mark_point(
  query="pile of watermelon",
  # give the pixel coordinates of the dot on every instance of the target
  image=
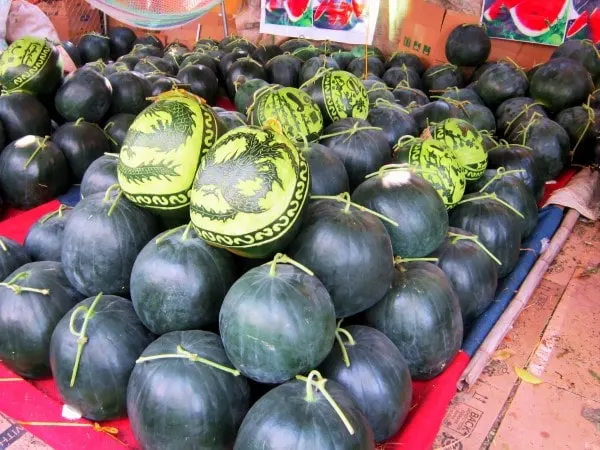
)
(271, 277)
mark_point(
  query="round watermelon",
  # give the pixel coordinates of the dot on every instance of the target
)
(439, 164)
(277, 321)
(250, 191)
(12, 256)
(191, 400)
(162, 150)
(31, 64)
(299, 116)
(339, 94)
(464, 139)
(44, 239)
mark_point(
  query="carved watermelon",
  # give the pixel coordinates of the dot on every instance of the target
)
(296, 8)
(534, 18)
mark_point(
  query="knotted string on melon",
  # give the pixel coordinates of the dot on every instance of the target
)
(82, 338)
(344, 197)
(58, 212)
(501, 172)
(116, 200)
(403, 141)
(494, 197)
(339, 332)
(280, 258)
(441, 69)
(41, 146)
(182, 353)
(525, 110)
(379, 86)
(475, 239)
(350, 132)
(18, 289)
(256, 96)
(385, 102)
(319, 385)
(321, 71)
(590, 122)
(533, 120)
(513, 63)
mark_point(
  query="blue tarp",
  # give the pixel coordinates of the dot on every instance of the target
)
(549, 220)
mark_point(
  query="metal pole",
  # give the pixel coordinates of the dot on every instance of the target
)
(224, 14)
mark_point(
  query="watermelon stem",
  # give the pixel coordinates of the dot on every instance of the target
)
(256, 95)
(400, 260)
(515, 65)
(345, 198)
(351, 132)
(41, 146)
(463, 237)
(59, 211)
(378, 86)
(3, 245)
(494, 197)
(186, 232)
(525, 110)
(319, 73)
(82, 339)
(109, 137)
(17, 289)
(532, 121)
(168, 233)
(280, 258)
(116, 200)
(591, 119)
(404, 140)
(443, 68)
(78, 121)
(182, 353)
(382, 101)
(320, 386)
(338, 337)
(500, 173)
(490, 136)
(114, 155)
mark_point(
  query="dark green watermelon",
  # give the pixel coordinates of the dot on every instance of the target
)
(406, 96)
(84, 94)
(468, 45)
(82, 143)
(517, 157)
(294, 44)
(44, 239)
(100, 175)
(394, 120)
(419, 213)
(582, 124)
(497, 226)
(264, 53)
(162, 83)
(472, 271)
(305, 53)
(247, 92)
(166, 395)
(362, 147)
(93, 351)
(312, 66)
(99, 247)
(462, 95)
(508, 186)
(226, 61)
(333, 224)
(434, 112)
(116, 129)
(73, 52)
(442, 76)
(201, 59)
(122, 40)
(407, 59)
(33, 171)
(361, 50)
(143, 51)
(402, 75)
(155, 64)
(202, 81)
(378, 90)
(116, 67)
(94, 46)
(130, 60)
(151, 40)
(242, 43)
(549, 141)
(276, 322)
(480, 70)
(130, 92)
(561, 83)
(421, 315)
(299, 416)
(12, 256)
(328, 174)
(162, 300)
(242, 70)
(206, 42)
(342, 58)
(373, 65)
(22, 115)
(514, 111)
(33, 299)
(500, 82)
(364, 358)
(284, 70)
(233, 119)
(583, 51)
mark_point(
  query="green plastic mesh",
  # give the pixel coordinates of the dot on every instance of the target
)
(155, 14)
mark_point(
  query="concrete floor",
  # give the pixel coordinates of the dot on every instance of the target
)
(556, 338)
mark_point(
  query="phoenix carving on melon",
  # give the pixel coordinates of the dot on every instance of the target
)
(531, 17)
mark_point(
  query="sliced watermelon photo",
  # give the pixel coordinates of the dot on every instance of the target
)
(295, 13)
(540, 21)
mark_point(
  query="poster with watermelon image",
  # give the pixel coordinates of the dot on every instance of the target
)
(584, 21)
(347, 21)
(537, 21)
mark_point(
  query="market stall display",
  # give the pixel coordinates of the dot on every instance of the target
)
(242, 238)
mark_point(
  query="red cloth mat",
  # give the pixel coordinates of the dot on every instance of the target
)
(17, 225)
(561, 181)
